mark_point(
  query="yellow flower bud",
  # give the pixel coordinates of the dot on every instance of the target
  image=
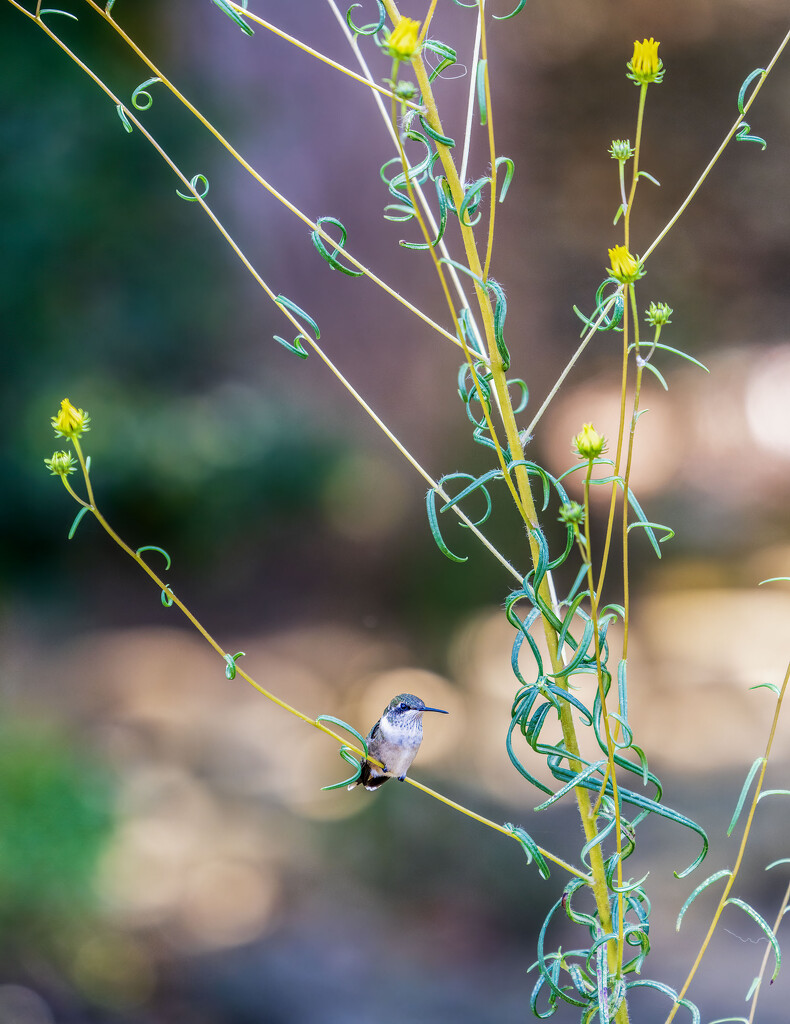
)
(588, 443)
(624, 267)
(645, 65)
(402, 42)
(70, 422)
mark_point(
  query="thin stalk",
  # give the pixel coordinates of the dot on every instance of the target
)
(491, 143)
(761, 974)
(610, 768)
(524, 501)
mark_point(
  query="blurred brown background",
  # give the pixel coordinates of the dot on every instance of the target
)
(166, 852)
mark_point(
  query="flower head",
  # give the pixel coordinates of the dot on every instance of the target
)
(402, 41)
(646, 66)
(61, 464)
(624, 268)
(405, 90)
(588, 443)
(70, 422)
(571, 513)
(658, 314)
(620, 149)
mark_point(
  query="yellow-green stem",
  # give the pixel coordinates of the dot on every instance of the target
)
(610, 768)
(524, 501)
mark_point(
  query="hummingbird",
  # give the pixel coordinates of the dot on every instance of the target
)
(394, 740)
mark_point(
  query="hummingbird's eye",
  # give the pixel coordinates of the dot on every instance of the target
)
(403, 706)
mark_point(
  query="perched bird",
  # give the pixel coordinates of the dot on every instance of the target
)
(394, 740)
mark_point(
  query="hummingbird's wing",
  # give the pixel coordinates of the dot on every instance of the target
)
(374, 732)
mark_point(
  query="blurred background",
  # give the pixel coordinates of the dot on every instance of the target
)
(166, 852)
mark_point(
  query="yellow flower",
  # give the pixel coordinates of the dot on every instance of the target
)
(70, 422)
(402, 42)
(646, 66)
(624, 267)
(588, 443)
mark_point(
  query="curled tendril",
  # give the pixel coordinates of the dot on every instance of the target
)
(473, 192)
(153, 547)
(124, 118)
(200, 181)
(419, 173)
(225, 7)
(141, 98)
(608, 320)
(477, 483)
(744, 130)
(500, 307)
(433, 520)
(447, 55)
(231, 659)
(297, 348)
(530, 848)
(474, 343)
(367, 30)
(167, 593)
(443, 140)
(510, 168)
(471, 202)
(441, 193)
(345, 752)
(324, 253)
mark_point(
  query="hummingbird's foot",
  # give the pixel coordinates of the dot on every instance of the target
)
(402, 778)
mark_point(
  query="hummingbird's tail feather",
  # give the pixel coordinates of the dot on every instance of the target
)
(368, 779)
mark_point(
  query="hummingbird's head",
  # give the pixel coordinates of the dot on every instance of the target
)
(408, 706)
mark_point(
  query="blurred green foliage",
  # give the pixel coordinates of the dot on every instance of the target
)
(55, 817)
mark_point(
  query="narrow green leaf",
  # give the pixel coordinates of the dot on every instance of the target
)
(481, 91)
(225, 7)
(367, 30)
(764, 927)
(433, 522)
(77, 521)
(744, 790)
(724, 873)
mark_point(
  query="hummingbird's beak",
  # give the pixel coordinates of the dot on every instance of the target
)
(439, 710)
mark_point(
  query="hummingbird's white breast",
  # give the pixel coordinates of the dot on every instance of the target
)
(399, 742)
